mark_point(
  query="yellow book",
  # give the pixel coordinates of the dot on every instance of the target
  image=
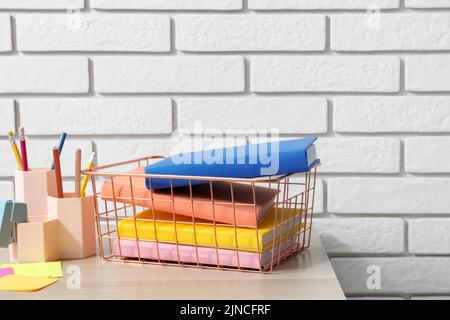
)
(285, 221)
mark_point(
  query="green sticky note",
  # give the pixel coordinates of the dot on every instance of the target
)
(44, 269)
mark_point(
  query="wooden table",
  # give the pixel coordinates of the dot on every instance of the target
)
(307, 276)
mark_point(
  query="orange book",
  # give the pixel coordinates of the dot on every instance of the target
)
(245, 214)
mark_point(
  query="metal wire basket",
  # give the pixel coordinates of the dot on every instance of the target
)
(285, 234)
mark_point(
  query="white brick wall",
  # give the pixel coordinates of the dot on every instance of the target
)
(298, 116)
(352, 32)
(123, 76)
(427, 155)
(427, 73)
(321, 4)
(44, 75)
(134, 33)
(141, 75)
(168, 4)
(5, 33)
(427, 4)
(250, 33)
(41, 4)
(325, 74)
(96, 116)
(429, 236)
(387, 114)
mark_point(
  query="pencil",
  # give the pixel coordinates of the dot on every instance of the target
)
(78, 173)
(23, 148)
(62, 139)
(56, 161)
(15, 150)
(86, 178)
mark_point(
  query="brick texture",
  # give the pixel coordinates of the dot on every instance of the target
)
(168, 4)
(250, 32)
(325, 74)
(370, 32)
(135, 33)
(370, 78)
(298, 116)
(134, 75)
(41, 4)
(44, 75)
(427, 73)
(321, 4)
(5, 33)
(44, 116)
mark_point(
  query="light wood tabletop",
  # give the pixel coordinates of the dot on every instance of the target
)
(306, 276)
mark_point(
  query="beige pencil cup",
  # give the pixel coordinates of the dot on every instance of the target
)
(33, 187)
(36, 241)
(76, 225)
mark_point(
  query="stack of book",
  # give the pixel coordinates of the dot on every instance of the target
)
(210, 222)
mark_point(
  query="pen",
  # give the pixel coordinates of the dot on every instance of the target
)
(62, 139)
(77, 173)
(57, 163)
(86, 178)
(15, 149)
(23, 148)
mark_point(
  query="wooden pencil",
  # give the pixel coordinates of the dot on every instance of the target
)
(56, 161)
(77, 173)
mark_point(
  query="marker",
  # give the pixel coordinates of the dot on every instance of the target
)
(78, 173)
(15, 150)
(23, 148)
(59, 186)
(86, 178)
(62, 139)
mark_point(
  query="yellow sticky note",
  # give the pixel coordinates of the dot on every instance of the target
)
(44, 269)
(24, 283)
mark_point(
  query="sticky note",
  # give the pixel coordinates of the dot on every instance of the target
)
(45, 269)
(6, 272)
(24, 283)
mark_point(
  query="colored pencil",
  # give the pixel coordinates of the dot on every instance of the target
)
(78, 173)
(62, 139)
(56, 161)
(15, 150)
(23, 148)
(86, 178)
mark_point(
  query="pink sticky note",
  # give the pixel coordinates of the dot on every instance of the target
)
(6, 271)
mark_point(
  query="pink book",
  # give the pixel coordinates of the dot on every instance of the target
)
(206, 256)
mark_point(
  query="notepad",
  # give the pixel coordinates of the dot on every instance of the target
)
(286, 221)
(21, 283)
(247, 161)
(45, 269)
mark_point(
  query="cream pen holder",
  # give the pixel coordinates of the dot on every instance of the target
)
(32, 187)
(76, 220)
(36, 241)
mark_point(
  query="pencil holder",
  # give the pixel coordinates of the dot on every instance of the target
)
(33, 187)
(76, 218)
(36, 241)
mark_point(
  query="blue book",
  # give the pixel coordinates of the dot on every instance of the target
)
(247, 161)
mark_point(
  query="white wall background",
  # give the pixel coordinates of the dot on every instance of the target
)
(124, 74)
